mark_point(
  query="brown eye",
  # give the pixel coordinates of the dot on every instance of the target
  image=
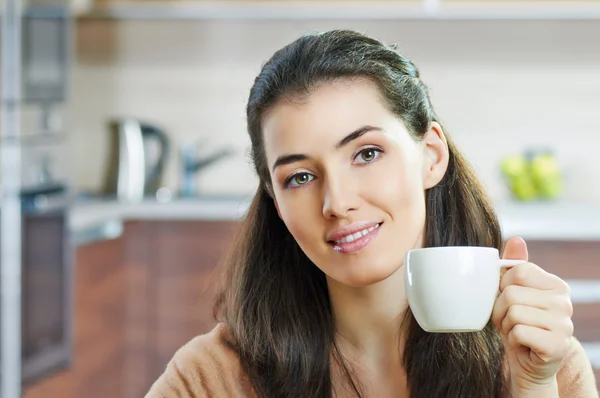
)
(298, 180)
(301, 179)
(368, 155)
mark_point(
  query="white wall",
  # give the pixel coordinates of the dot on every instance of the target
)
(498, 87)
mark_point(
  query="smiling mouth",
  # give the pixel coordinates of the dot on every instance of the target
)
(357, 241)
(355, 236)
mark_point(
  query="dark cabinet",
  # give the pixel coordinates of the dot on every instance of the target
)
(171, 287)
(142, 296)
(99, 328)
(137, 300)
(574, 260)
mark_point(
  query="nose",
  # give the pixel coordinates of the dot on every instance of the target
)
(339, 198)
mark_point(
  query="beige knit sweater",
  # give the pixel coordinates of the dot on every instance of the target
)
(207, 366)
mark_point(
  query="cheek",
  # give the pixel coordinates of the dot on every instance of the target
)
(401, 195)
(298, 222)
(397, 189)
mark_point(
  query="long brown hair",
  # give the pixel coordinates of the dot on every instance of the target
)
(275, 301)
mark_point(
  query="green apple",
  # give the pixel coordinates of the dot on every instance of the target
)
(514, 165)
(515, 169)
(523, 188)
(546, 175)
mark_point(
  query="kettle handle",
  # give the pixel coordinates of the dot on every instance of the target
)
(155, 172)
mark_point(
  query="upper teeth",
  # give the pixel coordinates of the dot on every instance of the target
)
(356, 235)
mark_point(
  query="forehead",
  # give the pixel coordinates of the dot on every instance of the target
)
(327, 114)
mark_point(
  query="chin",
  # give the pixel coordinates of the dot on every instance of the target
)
(360, 276)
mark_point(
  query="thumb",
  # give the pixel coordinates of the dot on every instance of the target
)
(515, 249)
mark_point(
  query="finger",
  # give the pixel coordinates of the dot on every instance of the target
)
(541, 299)
(530, 275)
(547, 346)
(535, 317)
(516, 249)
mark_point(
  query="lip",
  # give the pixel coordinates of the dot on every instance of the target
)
(356, 245)
(350, 229)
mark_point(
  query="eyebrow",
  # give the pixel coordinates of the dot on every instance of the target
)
(288, 159)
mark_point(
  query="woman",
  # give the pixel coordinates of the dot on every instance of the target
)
(355, 170)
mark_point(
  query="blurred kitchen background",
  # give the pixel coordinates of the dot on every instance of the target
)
(134, 166)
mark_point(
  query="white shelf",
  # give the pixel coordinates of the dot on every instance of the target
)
(525, 10)
(585, 291)
(361, 10)
(298, 10)
(550, 221)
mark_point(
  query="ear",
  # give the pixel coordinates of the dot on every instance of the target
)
(435, 155)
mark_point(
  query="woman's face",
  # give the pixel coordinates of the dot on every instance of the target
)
(349, 179)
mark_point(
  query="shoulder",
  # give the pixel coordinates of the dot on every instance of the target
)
(207, 366)
(575, 376)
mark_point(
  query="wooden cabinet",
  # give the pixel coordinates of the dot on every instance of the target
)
(99, 328)
(142, 296)
(573, 260)
(186, 268)
(137, 300)
(172, 274)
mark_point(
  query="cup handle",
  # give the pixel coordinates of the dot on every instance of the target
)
(510, 263)
(505, 264)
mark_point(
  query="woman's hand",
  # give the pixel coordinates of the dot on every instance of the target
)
(533, 314)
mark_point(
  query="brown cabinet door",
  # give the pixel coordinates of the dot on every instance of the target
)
(186, 275)
(98, 349)
(141, 297)
(172, 275)
(574, 260)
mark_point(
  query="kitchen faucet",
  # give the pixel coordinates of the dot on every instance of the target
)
(192, 164)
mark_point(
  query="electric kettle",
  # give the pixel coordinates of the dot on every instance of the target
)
(133, 170)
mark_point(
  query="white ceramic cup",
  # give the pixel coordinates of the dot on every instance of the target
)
(453, 289)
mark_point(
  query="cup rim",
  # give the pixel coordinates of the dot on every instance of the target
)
(440, 248)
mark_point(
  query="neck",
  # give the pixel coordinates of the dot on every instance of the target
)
(368, 319)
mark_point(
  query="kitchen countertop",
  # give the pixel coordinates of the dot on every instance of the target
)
(96, 220)
(90, 214)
